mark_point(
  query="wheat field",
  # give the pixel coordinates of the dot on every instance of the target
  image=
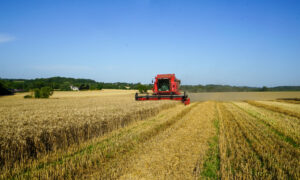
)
(108, 135)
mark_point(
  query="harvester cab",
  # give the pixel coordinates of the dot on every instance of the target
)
(166, 87)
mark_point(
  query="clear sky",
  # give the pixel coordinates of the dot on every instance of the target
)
(235, 42)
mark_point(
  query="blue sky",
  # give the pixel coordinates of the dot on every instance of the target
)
(235, 42)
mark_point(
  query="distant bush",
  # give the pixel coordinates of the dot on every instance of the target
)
(27, 96)
(44, 92)
(37, 93)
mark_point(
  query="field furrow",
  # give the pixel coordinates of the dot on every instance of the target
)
(210, 168)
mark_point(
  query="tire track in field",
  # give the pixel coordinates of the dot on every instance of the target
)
(210, 168)
(175, 152)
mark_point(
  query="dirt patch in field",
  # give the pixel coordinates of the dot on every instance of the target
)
(240, 96)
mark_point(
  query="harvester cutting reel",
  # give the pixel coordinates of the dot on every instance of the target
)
(144, 97)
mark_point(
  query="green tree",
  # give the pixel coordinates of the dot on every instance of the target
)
(142, 88)
(45, 92)
(264, 88)
(65, 86)
(99, 86)
(84, 87)
(4, 90)
(37, 93)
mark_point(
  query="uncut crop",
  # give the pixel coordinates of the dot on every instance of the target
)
(102, 155)
(30, 128)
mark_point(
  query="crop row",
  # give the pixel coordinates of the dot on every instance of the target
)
(286, 127)
(250, 149)
(289, 100)
(278, 107)
(238, 158)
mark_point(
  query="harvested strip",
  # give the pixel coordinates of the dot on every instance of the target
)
(174, 153)
(238, 158)
(279, 157)
(101, 153)
(285, 126)
(275, 108)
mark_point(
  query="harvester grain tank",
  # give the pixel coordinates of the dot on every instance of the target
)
(166, 87)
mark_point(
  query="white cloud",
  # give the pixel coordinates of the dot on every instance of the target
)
(6, 38)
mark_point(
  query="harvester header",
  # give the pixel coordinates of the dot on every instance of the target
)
(166, 87)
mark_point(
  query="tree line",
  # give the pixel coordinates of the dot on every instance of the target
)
(8, 86)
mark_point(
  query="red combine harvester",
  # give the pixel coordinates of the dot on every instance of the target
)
(166, 87)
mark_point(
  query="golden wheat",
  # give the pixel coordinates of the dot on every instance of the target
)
(31, 128)
(103, 154)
